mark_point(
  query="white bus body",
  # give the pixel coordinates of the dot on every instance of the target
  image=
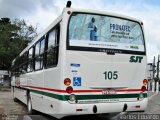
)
(106, 76)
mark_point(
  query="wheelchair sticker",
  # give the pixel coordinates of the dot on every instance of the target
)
(76, 81)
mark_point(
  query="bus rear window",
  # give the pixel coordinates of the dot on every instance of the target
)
(107, 32)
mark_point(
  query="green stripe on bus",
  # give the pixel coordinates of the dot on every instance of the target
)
(52, 95)
(85, 97)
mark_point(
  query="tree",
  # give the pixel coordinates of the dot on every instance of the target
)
(14, 37)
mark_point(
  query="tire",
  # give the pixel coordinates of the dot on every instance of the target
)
(29, 105)
(15, 100)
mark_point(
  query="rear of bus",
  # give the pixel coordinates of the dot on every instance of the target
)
(105, 65)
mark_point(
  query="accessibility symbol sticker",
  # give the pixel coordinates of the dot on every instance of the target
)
(76, 81)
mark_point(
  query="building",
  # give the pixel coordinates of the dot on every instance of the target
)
(4, 78)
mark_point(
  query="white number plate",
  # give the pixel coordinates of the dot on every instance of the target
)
(108, 92)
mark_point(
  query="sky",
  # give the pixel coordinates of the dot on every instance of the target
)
(43, 12)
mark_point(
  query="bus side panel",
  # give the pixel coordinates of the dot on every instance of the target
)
(20, 94)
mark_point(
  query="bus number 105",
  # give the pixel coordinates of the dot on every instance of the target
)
(109, 75)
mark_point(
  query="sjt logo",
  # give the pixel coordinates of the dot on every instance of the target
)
(136, 59)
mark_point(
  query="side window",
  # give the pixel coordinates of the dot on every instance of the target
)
(20, 65)
(24, 62)
(39, 54)
(42, 53)
(37, 58)
(52, 48)
(30, 60)
(17, 66)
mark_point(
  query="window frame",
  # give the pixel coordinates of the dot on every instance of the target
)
(40, 54)
(30, 60)
(57, 42)
(24, 64)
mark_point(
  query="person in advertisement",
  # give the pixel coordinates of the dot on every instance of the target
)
(93, 30)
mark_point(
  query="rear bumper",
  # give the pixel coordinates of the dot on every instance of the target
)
(98, 108)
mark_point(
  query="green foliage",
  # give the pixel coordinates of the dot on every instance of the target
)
(14, 37)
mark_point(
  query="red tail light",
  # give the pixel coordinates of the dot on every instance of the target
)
(143, 89)
(69, 89)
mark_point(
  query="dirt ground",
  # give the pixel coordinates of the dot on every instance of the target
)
(10, 110)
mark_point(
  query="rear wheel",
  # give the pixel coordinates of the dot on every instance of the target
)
(15, 99)
(29, 105)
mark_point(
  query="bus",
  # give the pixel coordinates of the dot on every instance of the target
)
(85, 62)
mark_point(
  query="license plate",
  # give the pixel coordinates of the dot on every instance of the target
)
(108, 92)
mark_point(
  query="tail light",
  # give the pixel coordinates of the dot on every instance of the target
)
(143, 89)
(67, 81)
(69, 89)
(145, 81)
